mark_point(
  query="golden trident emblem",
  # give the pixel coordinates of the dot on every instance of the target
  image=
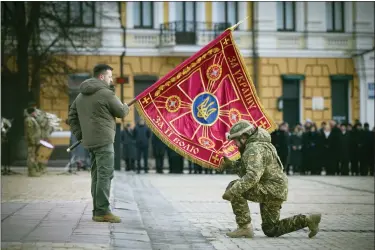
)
(203, 109)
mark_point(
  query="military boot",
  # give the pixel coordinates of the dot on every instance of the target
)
(243, 231)
(107, 218)
(313, 224)
(33, 173)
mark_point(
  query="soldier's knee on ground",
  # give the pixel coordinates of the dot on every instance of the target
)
(269, 230)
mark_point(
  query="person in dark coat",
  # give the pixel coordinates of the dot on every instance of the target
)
(349, 128)
(142, 136)
(355, 148)
(344, 150)
(176, 162)
(322, 126)
(326, 144)
(310, 151)
(296, 149)
(129, 149)
(336, 135)
(158, 148)
(194, 167)
(280, 140)
(367, 151)
(208, 171)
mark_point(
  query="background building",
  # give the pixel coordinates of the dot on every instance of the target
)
(308, 59)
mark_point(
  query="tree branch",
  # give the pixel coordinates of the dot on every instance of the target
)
(33, 19)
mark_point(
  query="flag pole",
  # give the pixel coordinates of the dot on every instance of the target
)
(237, 24)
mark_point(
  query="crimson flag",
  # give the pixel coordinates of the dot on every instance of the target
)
(193, 106)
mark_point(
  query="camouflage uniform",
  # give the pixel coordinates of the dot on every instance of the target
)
(262, 180)
(45, 132)
(33, 135)
(45, 127)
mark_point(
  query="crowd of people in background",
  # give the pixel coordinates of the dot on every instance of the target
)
(135, 152)
(336, 149)
(305, 149)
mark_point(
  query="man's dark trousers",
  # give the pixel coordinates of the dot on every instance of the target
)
(142, 150)
(102, 168)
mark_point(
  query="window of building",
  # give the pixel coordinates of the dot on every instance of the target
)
(229, 12)
(335, 16)
(340, 98)
(81, 13)
(143, 15)
(186, 16)
(291, 101)
(286, 18)
(186, 11)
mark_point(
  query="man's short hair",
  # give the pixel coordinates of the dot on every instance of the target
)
(101, 69)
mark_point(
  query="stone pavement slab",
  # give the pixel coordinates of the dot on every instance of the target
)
(50, 212)
(347, 205)
(177, 212)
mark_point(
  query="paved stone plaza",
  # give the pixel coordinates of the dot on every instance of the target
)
(176, 212)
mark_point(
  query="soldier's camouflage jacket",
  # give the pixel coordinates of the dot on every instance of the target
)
(32, 130)
(260, 167)
(45, 127)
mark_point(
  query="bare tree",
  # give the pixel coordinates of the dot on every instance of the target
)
(37, 39)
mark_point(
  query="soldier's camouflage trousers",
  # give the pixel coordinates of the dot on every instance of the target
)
(32, 165)
(272, 226)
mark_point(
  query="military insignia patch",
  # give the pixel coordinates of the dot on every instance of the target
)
(206, 142)
(173, 103)
(234, 116)
(214, 72)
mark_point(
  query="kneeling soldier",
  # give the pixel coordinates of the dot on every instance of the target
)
(262, 180)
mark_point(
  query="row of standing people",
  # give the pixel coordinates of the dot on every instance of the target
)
(339, 149)
(135, 148)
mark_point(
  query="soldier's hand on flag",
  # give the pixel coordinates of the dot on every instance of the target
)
(225, 163)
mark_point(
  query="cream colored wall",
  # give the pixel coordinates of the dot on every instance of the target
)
(317, 73)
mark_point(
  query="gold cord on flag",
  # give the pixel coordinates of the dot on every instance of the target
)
(237, 24)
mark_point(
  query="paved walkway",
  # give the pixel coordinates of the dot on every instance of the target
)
(176, 212)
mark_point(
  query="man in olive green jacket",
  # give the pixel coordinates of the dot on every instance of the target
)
(92, 118)
(261, 180)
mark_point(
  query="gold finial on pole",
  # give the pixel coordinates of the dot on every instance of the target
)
(237, 24)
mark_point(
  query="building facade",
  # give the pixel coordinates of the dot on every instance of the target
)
(307, 59)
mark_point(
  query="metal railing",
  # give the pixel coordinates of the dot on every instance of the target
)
(189, 32)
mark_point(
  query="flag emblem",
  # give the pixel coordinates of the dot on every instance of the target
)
(214, 72)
